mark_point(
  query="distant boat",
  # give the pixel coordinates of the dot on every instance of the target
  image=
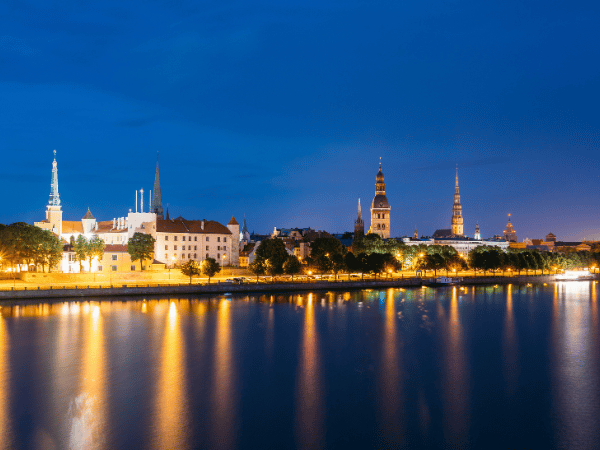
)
(447, 280)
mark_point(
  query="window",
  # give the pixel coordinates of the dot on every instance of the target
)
(175, 238)
(166, 256)
(383, 216)
(224, 248)
(207, 248)
(114, 257)
(174, 247)
(166, 247)
(206, 238)
(189, 247)
(383, 226)
(195, 238)
(166, 238)
(113, 268)
(99, 268)
(218, 238)
(218, 247)
(189, 256)
(218, 256)
(379, 226)
(224, 239)
(195, 247)
(207, 256)
(183, 238)
(133, 267)
(195, 256)
(183, 256)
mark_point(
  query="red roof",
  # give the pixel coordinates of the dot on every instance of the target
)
(181, 225)
(115, 248)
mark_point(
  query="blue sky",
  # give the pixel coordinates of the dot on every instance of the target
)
(281, 110)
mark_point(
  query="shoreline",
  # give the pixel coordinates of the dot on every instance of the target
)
(100, 293)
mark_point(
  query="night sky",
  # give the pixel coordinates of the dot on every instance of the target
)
(281, 110)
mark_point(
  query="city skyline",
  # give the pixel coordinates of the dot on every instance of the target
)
(280, 113)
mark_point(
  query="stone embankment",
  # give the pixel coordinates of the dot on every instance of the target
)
(143, 289)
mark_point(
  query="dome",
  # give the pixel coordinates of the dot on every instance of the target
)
(380, 201)
(379, 176)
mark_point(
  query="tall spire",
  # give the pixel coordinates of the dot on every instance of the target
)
(54, 197)
(477, 232)
(156, 196)
(416, 235)
(359, 224)
(457, 219)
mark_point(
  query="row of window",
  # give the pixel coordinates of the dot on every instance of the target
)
(380, 216)
(114, 268)
(189, 256)
(381, 226)
(190, 247)
(195, 238)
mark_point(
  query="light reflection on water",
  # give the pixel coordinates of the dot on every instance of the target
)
(413, 356)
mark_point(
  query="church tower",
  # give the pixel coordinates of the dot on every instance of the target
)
(510, 234)
(359, 224)
(380, 208)
(156, 197)
(477, 236)
(53, 209)
(457, 219)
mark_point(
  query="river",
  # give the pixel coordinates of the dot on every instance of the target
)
(474, 367)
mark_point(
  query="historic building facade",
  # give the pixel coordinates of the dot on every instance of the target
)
(380, 208)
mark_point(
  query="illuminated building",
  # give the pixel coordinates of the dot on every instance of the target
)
(457, 219)
(510, 234)
(380, 208)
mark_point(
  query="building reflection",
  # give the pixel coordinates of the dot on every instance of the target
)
(88, 411)
(456, 382)
(224, 414)
(576, 366)
(510, 349)
(309, 416)
(171, 414)
(390, 377)
(5, 417)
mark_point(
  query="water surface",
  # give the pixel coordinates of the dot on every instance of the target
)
(477, 367)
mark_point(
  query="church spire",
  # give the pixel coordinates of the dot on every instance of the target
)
(477, 232)
(156, 196)
(54, 197)
(359, 224)
(359, 211)
(457, 219)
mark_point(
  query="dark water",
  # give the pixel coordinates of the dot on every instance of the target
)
(484, 367)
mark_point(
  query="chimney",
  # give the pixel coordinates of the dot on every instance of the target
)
(142, 200)
(202, 225)
(114, 223)
(136, 201)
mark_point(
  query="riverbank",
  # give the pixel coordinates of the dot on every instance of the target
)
(149, 289)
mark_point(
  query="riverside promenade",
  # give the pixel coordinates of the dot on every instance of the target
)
(79, 291)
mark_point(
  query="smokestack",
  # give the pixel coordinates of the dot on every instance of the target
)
(142, 200)
(136, 200)
(114, 223)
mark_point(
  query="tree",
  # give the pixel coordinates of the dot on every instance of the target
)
(95, 249)
(210, 267)
(273, 250)
(257, 268)
(51, 250)
(191, 268)
(292, 266)
(80, 249)
(141, 247)
(433, 262)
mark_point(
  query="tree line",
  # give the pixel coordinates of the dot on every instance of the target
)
(24, 244)
(374, 255)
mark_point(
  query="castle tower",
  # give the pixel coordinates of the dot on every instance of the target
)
(380, 208)
(53, 209)
(359, 224)
(510, 234)
(88, 222)
(234, 254)
(156, 196)
(457, 219)
(477, 236)
(244, 234)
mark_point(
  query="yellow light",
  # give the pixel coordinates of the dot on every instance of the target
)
(390, 271)
(421, 255)
(310, 272)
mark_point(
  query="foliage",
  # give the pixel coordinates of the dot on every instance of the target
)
(190, 269)
(21, 243)
(210, 267)
(141, 248)
(292, 266)
(272, 250)
(257, 268)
